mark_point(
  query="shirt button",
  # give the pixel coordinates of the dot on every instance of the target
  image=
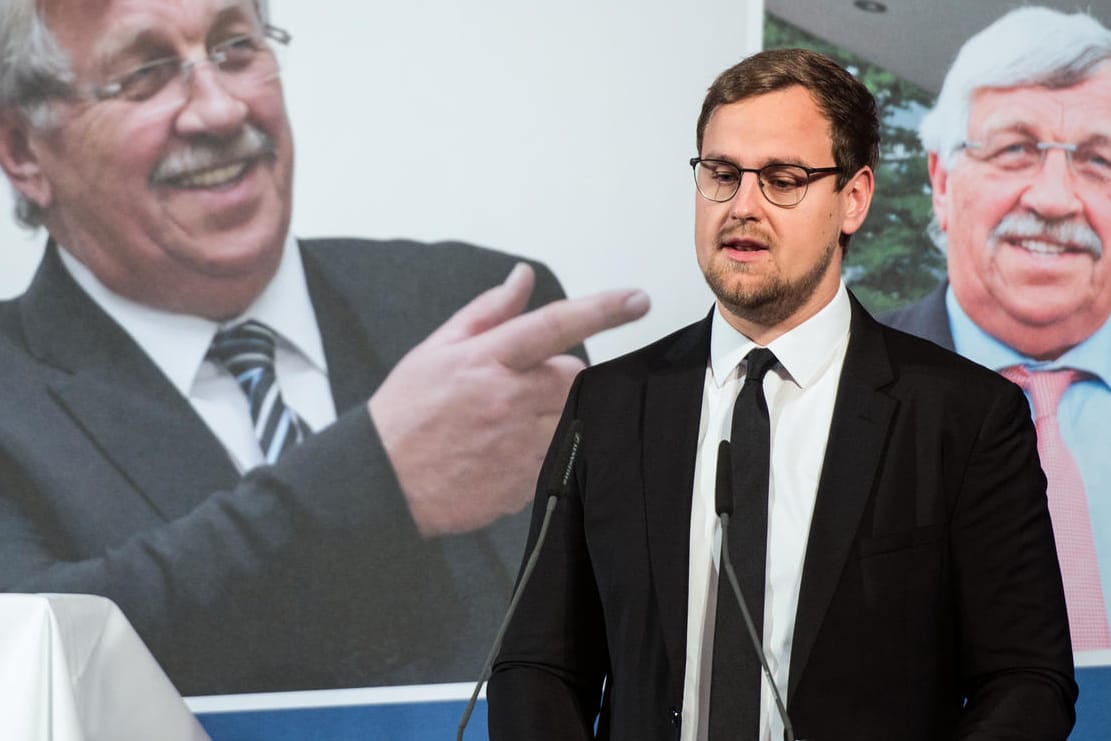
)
(675, 716)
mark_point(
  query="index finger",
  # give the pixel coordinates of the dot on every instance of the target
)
(554, 328)
(490, 308)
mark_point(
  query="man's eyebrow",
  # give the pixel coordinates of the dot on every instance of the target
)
(143, 41)
(234, 12)
(1008, 127)
(1096, 138)
(718, 158)
(773, 160)
(154, 38)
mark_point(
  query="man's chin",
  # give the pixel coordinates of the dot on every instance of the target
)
(1049, 316)
(766, 306)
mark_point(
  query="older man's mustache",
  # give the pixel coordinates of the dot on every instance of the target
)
(1071, 235)
(206, 153)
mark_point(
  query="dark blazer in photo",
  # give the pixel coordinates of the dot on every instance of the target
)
(308, 574)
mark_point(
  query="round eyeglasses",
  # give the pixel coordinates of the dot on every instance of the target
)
(783, 185)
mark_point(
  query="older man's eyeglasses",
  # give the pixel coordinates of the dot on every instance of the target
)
(1024, 155)
(783, 185)
(242, 64)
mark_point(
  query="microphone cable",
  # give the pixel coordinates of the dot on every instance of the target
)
(559, 485)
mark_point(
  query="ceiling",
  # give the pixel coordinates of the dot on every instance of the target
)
(915, 39)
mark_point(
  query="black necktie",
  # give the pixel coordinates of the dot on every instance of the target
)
(735, 678)
(247, 351)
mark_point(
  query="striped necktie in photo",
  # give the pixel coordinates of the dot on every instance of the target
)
(247, 352)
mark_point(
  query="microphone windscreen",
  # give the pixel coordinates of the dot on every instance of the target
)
(560, 481)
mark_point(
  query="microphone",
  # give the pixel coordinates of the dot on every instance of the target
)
(560, 482)
(558, 485)
(723, 500)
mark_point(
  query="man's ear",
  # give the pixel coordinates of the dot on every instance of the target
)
(858, 199)
(19, 159)
(939, 187)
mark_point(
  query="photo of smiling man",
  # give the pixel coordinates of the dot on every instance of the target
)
(1019, 157)
(272, 453)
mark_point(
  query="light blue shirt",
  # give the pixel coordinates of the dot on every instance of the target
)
(1084, 413)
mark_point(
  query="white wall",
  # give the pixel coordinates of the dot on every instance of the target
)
(560, 131)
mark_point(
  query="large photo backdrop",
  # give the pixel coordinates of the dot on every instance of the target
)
(561, 133)
(981, 241)
(557, 133)
(988, 235)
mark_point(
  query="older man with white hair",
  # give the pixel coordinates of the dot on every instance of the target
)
(1019, 148)
(288, 461)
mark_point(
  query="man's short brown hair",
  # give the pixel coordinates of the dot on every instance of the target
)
(845, 102)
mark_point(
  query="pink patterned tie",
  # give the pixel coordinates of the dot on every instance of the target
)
(1068, 508)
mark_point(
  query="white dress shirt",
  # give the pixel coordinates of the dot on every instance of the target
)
(178, 343)
(800, 391)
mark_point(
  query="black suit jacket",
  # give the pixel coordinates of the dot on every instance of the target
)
(931, 604)
(309, 574)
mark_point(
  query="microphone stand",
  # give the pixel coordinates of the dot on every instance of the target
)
(724, 505)
(559, 485)
(485, 673)
(788, 730)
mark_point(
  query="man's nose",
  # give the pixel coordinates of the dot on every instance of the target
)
(749, 198)
(210, 107)
(1052, 191)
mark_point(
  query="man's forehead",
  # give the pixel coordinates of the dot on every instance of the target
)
(781, 123)
(1081, 110)
(119, 21)
(54, 7)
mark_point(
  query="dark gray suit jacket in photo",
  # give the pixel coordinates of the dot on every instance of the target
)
(927, 318)
(931, 604)
(308, 574)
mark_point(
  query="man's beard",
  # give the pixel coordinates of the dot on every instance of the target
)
(773, 300)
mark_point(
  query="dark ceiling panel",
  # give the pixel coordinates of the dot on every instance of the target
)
(915, 39)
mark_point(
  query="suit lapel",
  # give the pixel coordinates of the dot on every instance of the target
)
(354, 368)
(858, 435)
(672, 410)
(164, 449)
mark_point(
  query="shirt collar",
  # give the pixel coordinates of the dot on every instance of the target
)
(804, 352)
(1092, 356)
(177, 343)
(286, 307)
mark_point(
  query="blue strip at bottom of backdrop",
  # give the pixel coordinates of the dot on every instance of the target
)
(439, 721)
(411, 721)
(407, 721)
(1093, 709)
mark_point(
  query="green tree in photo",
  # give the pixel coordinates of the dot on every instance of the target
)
(891, 260)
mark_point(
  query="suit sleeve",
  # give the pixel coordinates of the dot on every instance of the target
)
(188, 585)
(308, 573)
(547, 680)
(1015, 649)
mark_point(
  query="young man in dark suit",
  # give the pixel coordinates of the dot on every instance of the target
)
(890, 528)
